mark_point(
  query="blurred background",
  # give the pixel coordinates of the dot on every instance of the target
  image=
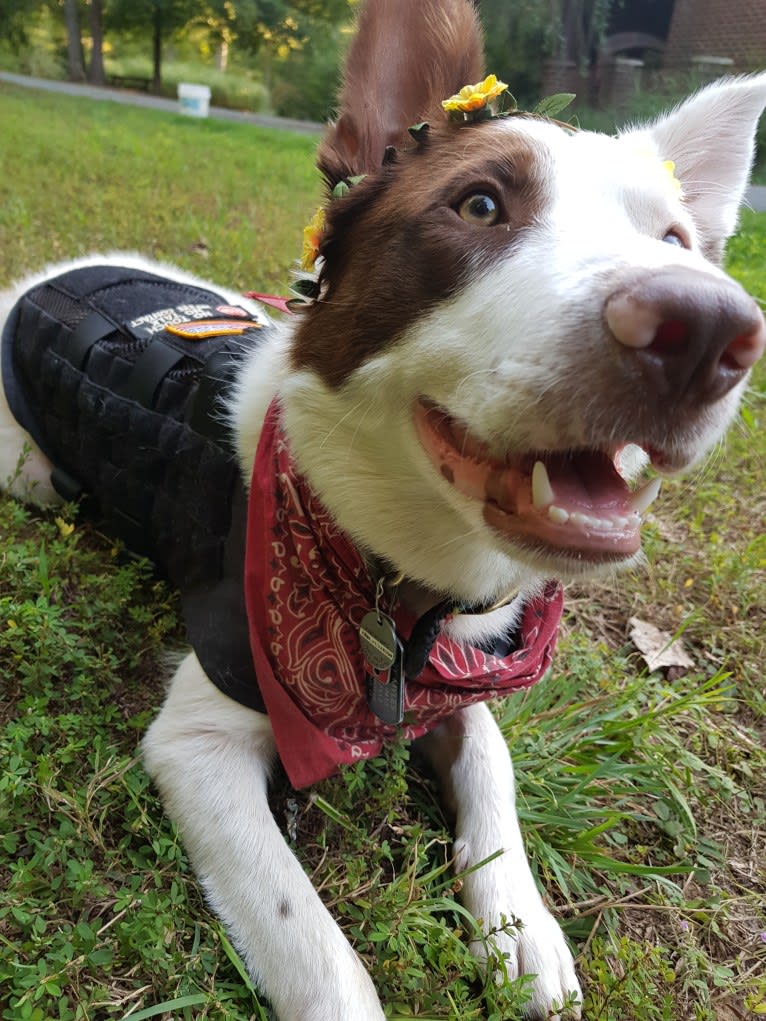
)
(623, 58)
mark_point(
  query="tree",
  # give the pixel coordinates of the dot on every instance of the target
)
(14, 17)
(96, 21)
(518, 36)
(584, 24)
(522, 34)
(75, 62)
(225, 21)
(156, 18)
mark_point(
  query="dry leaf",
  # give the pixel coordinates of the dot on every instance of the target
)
(658, 648)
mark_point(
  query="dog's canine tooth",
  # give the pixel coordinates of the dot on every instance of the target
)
(542, 491)
(558, 515)
(643, 498)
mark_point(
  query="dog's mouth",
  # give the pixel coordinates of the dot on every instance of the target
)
(572, 502)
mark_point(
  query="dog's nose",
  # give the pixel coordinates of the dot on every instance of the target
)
(692, 334)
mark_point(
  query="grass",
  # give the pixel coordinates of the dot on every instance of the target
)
(97, 176)
(643, 798)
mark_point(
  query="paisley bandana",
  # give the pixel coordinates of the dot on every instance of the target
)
(307, 590)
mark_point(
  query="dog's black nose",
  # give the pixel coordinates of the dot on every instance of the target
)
(691, 334)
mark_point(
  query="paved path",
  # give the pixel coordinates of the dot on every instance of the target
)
(756, 196)
(130, 98)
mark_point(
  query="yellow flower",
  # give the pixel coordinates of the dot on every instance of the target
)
(312, 238)
(670, 169)
(475, 97)
(65, 527)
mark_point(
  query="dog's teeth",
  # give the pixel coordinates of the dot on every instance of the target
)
(542, 491)
(558, 515)
(644, 497)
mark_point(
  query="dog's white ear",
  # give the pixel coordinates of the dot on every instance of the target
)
(711, 140)
(407, 56)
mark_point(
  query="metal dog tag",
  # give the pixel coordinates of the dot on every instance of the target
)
(377, 637)
(385, 694)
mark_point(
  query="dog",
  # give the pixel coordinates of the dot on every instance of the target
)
(507, 321)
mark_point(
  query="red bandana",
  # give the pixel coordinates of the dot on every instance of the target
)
(307, 590)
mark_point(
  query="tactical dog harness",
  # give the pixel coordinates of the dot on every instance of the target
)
(120, 377)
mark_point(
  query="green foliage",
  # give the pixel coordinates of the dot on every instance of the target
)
(307, 84)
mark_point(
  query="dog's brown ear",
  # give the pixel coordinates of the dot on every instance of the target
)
(407, 56)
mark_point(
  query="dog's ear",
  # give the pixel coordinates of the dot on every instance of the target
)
(711, 140)
(407, 56)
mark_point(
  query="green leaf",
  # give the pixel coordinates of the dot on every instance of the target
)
(420, 131)
(192, 1000)
(552, 106)
(306, 287)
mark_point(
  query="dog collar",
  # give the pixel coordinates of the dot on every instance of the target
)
(308, 590)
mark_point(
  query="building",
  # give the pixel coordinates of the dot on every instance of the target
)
(734, 30)
(680, 33)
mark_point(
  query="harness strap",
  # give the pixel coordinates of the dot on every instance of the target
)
(88, 332)
(428, 627)
(149, 371)
(206, 414)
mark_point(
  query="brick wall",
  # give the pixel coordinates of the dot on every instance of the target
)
(718, 28)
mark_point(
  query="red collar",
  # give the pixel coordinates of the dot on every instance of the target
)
(307, 589)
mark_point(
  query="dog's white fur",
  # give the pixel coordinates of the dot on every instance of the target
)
(529, 379)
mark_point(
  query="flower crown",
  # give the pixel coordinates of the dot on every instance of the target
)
(472, 104)
(477, 103)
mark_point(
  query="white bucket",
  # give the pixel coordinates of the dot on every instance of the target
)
(194, 100)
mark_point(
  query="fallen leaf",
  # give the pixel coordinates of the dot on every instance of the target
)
(658, 648)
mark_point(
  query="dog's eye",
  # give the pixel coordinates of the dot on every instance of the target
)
(674, 238)
(481, 210)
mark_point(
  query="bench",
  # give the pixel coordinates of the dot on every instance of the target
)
(129, 81)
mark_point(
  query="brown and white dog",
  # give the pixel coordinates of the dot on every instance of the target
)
(512, 317)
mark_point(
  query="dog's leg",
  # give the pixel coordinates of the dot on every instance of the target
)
(210, 759)
(471, 760)
(25, 472)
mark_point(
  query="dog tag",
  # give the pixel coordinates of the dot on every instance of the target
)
(385, 695)
(377, 637)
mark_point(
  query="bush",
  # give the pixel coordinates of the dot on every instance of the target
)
(306, 84)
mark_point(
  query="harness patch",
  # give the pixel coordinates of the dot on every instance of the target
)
(201, 329)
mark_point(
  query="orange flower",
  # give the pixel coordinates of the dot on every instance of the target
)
(475, 97)
(312, 239)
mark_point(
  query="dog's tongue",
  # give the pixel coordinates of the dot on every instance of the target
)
(586, 481)
(574, 501)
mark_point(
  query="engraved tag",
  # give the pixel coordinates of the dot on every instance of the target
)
(377, 637)
(385, 696)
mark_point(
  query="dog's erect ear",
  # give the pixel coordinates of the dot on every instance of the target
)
(407, 56)
(711, 138)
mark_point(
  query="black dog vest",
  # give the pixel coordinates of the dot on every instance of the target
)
(120, 376)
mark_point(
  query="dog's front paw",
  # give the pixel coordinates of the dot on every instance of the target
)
(336, 988)
(536, 946)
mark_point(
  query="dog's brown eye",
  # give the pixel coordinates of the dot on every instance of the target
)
(674, 238)
(481, 210)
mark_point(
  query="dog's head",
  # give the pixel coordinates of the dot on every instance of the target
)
(513, 314)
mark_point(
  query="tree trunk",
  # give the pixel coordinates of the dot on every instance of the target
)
(96, 70)
(222, 57)
(157, 49)
(572, 30)
(75, 65)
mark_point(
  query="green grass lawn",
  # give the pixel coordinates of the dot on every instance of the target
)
(643, 798)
